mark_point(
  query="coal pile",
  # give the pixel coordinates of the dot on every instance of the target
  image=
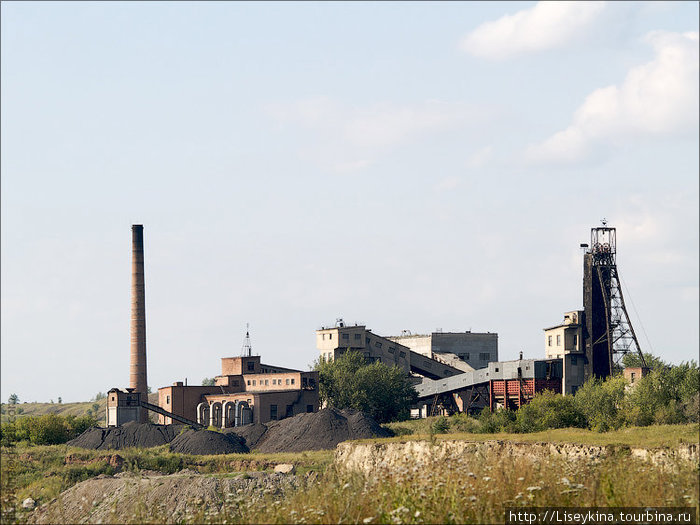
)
(321, 430)
(128, 435)
(251, 434)
(206, 442)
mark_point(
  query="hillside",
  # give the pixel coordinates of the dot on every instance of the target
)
(64, 409)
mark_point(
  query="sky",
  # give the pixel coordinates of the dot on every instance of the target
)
(403, 165)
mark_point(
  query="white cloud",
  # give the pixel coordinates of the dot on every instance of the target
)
(344, 134)
(545, 26)
(448, 183)
(480, 158)
(656, 98)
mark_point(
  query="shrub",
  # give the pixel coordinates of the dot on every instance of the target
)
(549, 410)
(601, 402)
(502, 420)
(441, 425)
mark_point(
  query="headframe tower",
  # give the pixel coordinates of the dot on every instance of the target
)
(607, 333)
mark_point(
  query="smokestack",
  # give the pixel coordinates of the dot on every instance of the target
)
(137, 375)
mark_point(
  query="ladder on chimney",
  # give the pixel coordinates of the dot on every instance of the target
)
(162, 412)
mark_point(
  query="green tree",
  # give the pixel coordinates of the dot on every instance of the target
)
(208, 381)
(378, 390)
(632, 360)
(549, 410)
(666, 395)
(601, 402)
(13, 399)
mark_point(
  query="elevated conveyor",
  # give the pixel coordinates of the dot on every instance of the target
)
(163, 412)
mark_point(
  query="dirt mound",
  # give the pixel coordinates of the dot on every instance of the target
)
(206, 442)
(320, 430)
(178, 498)
(128, 435)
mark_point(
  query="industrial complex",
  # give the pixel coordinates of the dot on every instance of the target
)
(451, 371)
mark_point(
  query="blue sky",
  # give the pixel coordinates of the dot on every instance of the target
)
(401, 165)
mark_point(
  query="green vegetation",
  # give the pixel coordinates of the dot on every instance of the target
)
(632, 360)
(208, 381)
(49, 429)
(376, 389)
(667, 395)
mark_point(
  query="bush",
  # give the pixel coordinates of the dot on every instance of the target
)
(549, 410)
(498, 421)
(441, 425)
(464, 423)
(600, 402)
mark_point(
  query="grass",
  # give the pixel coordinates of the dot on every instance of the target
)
(653, 436)
(442, 493)
(41, 472)
(471, 489)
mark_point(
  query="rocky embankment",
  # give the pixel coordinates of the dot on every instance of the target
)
(387, 456)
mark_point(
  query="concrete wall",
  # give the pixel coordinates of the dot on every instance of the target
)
(475, 348)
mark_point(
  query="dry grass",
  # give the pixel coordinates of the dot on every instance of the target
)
(475, 489)
(644, 437)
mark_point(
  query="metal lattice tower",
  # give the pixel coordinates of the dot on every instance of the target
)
(608, 333)
(246, 349)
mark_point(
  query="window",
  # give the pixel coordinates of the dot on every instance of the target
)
(253, 382)
(549, 340)
(273, 412)
(392, 349)
(266, 382)
(274, 381)
(464, 357)
(112, 398)
(358, 337)
(292, 380)
(290, 411)
(286, 381)
(367, 340)
(558, 340)
(575, 340)
(496, 369)
(484, 356)
(309, 408)
(346, 337)
(251, 366)
(402, 354)
(303, 382)
(330, 336)
(378, 344)
(632, 377)
(323, 337)
(167, 398)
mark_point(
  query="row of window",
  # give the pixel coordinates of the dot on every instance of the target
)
(346, 337)
(274, 382)
(549, 340)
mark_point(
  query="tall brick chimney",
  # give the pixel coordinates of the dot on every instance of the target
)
(137, 371)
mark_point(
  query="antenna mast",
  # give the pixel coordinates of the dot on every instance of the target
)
(246, 349)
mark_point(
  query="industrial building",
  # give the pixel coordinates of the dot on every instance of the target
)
(335, 341)
(247, 391)
(464, 350)
(565, 341)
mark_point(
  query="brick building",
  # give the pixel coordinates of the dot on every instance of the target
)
(247, 391)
